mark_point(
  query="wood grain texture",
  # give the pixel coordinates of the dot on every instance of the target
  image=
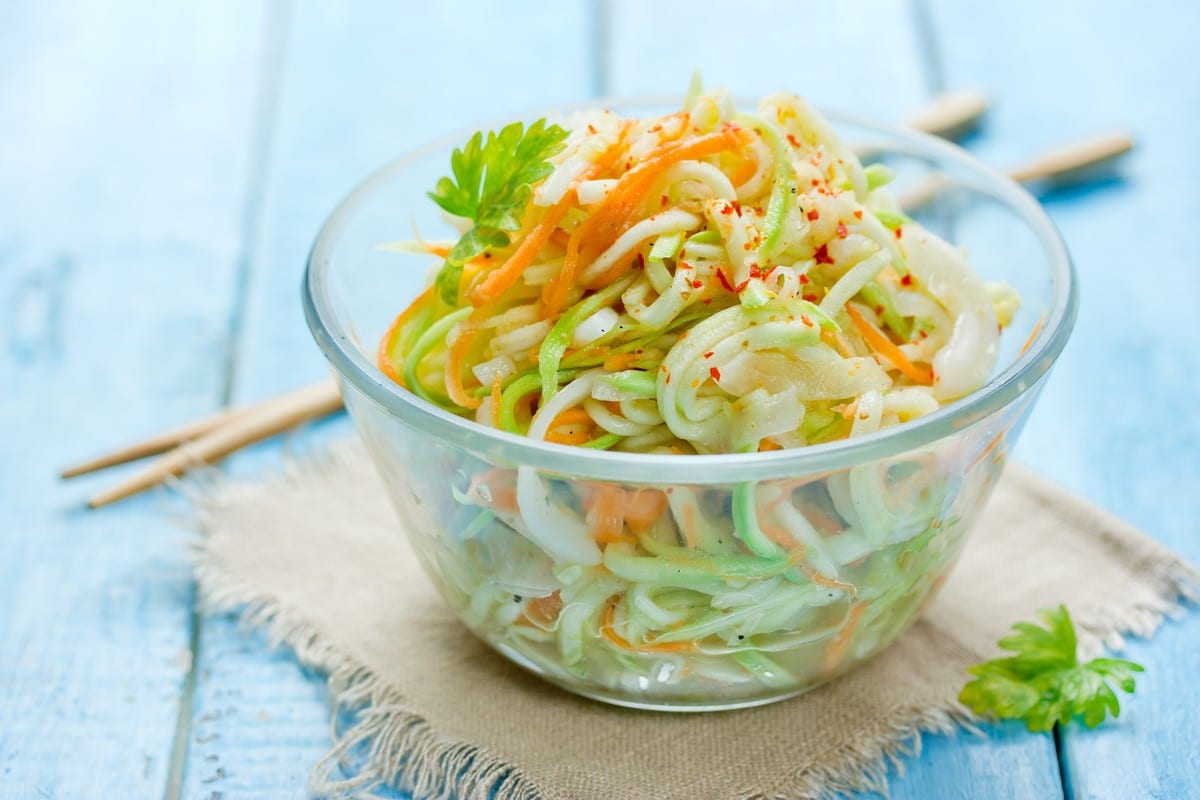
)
(1118, 420)
(121, 194)
(358, 88)
(816, 49)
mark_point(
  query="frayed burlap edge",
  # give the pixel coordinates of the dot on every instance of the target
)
(386, 743)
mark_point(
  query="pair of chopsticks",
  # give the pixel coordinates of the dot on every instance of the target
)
(210, 439)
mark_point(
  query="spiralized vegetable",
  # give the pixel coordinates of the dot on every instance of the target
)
(719, 282)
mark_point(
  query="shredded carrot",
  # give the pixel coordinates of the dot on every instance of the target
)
(769, 444)
(386, 364)
(502, 278)
(643, 507)
(606, 511)
(744, 172)
(544, 610)
(496, 393)
(560, 238)
(611, 216)
(878, 341)
(573, 436)
(841, 643)
(1033, 334)
(822, 580)
(997, 439)
(823, 521)
(496, 487)
(619, 361)
(572, 416)
(455, 361)
(606, 629)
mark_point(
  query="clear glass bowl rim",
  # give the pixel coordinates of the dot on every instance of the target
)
(338, 343)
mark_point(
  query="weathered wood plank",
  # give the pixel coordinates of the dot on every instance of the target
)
(1118, 421)
(361, 84)
(864, 58)
(122, 178)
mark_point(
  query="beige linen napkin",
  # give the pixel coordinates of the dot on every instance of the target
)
(317, 558)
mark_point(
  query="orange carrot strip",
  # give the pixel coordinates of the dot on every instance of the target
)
(841, 643)
(744, 172)
(878, 341)
(507, 274)
(572, 436)
(572, 416)
(544, 610)
(606, 511)
(384, 356)
(1033, 334)
(455, 363)
(606, 629)
(643, 507)
(611, 217)
(496, 393)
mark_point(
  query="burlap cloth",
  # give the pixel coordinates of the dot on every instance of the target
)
(316, 558)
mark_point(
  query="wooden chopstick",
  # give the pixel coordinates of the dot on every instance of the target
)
(216, 436)
(951, 115)
(159, 443)
(1059, 164)
(252, 425)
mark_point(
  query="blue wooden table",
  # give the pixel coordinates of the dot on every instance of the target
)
(164, 167)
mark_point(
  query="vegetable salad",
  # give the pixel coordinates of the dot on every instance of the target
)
(709, 281)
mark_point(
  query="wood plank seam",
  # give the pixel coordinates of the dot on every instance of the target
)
(278, 15)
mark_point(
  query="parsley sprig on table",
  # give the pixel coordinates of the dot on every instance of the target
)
(491, 187)
(1044, 683)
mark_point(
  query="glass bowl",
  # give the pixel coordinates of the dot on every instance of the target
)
(686, 618)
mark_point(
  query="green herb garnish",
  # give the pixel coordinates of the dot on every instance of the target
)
(491, 187)
(1044, 683)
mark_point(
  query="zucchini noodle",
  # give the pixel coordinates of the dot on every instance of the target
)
(704, 282)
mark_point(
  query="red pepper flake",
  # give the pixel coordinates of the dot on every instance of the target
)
(813, 215)
(737, 207)
(906, 280)
(792, 141)
(714, 373)
(641, 261)
(755, 271)
(822, 255)
(842, 233)
(747, 246)
(742, 286)
(665, 201)
(816, 182)
(879, 311)
(923, 334)
(812, 298)
(591, 128)
(697, 284)
(858, 214)
(707, 301)
(724, 279)
(804, 279)
(726, 209)
(806, 319)
(899, 233)
(709, 354)
(655, 128)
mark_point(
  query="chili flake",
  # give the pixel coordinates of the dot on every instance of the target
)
(858, 213)
(714, 373)
(906, 280)
(813, 215)
(709, 354)
(842, 232)
(724, 279)
(822, 255)
(899, 233)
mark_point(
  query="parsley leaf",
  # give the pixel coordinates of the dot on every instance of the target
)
(1044, 683)
(491, 187)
